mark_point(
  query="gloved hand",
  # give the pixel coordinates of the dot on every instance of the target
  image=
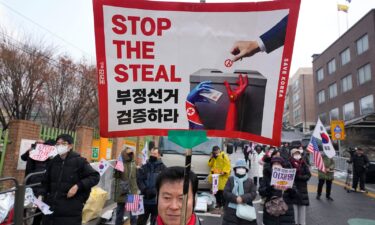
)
(194, 96)
(234, 94)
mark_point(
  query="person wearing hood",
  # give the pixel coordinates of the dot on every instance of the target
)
(268, 191)
(125, 183)
(219, 163)
(67, 184)
(303, 175)
(239, 189)
(146, 180)
(256, 170)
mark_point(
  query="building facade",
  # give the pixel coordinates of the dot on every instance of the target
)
(344, 81)
(299, 106)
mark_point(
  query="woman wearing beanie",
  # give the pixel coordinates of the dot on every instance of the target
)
(239, 189)
(268, 191)
(300, 182)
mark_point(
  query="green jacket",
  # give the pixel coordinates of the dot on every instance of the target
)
(329, 164)
(130, 171)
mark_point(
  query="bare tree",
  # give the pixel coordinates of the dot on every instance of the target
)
(24, 67)
(71, 95)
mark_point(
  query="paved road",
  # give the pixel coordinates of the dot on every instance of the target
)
(346, 209)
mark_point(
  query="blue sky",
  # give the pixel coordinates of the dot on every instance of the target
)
(69, 25)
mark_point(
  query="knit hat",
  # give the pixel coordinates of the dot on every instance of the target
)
(277, 160)
(294, 150)
(241, 163)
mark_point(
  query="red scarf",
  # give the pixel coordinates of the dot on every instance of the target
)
(159, 221)
(297, 164)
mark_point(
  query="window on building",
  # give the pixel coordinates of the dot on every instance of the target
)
(364, 74)
(295, 98)
(297, 115)
(320, 74)
(346, 83)
(348, 111)
(321, 97)
(296, 85)
(323, 118)
(345, 56)
(332, 90)
(331, 66)
(362, 44)
(366, 104)
(334, 114)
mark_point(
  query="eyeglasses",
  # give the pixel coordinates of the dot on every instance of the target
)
(64, 143)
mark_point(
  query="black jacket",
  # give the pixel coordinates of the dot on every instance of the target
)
(249, 195)
(33, 166)
(360, 162)
(146, 179)
(300, 182)
(267, 191)
(61, 175)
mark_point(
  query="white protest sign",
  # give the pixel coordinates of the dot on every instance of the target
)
(215, 183)
(283, 177)
(42, 152)
(24, 146)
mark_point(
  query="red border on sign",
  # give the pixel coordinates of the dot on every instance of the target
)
(292, 5)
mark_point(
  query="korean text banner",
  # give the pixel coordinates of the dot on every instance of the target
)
(222, 67)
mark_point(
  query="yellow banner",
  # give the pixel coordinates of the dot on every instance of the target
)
(338, 130)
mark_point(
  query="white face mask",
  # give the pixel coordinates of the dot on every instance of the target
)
(241, 171)
(62, 149)
(297, 157)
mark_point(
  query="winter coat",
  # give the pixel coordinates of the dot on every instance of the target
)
(218, 165)
(256, 169)
(146, 179)
(33, 166)
(360, 163)
(129, 174)
(249, 195)
(329, 164)
(267, 191)
(303, 175)
(61, 175)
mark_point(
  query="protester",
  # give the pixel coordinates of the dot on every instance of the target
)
(246, 152)
(256, 170)
(269, 191)
(34, 166)
(169, 187)
(219, 163)
(360, 165)
(303, 175)
(326, 177)
(67, 184)
(146, 179)
(239, 189)
(285, 152)
(125, 183)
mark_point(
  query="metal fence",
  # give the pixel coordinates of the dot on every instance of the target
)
(341, 163)
(51, 133)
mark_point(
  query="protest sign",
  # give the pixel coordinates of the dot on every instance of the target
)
(42, 152)
(283, 177)
(169, 65)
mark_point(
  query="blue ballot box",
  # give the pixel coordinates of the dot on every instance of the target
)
(249, 107)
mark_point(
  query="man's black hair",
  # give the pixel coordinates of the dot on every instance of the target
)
(50, 142)
(176, 173)
(65, 137)
(215, 148)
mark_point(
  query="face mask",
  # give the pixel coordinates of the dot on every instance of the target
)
(130, 156)
(62, 149)
(153, 158)
(297, 157)
(241, 171)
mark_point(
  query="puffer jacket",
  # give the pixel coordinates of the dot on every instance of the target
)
(61, 175)
(303, 175)
(267, 191)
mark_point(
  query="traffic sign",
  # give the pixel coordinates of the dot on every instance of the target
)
(338, 130)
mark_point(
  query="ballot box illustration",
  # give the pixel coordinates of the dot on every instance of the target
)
(213, 113)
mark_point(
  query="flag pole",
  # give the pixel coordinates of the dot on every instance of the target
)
(186, 185)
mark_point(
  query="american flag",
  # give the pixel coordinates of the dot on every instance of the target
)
(119, 164)
(132, 203)
(314, 149)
